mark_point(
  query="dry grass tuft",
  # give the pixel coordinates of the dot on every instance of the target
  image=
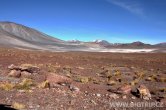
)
(44, 84)
(111, 82)
(117, 73)
(26, 84)
(7, 86)
(134, 82)
(18, 106)
(83, 79)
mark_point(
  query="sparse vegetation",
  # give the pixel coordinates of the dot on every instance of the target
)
(111, 82)
(7, 86)
(134, 82)
(140, 75)
(94, 80)
(26, 84)
(44, 84)
(163, 80)
(18, 106)
(117, 73)
(82, 79)
(162, 89)
(84, 82)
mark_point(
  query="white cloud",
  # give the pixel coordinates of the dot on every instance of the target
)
(129, 5)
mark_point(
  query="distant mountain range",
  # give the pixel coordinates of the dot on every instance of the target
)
(133, 45)
(19, 36)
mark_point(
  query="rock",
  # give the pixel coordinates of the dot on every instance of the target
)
(21, 91)
(62, 84)
(149, 79)
(29, 68)
(15, 73)
(133, 97)
(98, 95)
(113, 96)
(25, 74)
(57, 79)
(12, 66)
(92, 101)
(74, 88)
(86, 92)
(124, 89)
(124, 97)
(144, 92)
(163, 102)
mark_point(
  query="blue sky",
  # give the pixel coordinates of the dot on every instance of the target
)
(87, 20)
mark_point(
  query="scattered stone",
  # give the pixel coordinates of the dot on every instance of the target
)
(29, 68)
(111, 82)
(14, 73)
(62, 84)
(133, 97)
(24, 70)
(74, 88)
(163, 102)
(57, 79)
(149, 79)
(81, 68)
(92, 101)
(21, 91)
(86, 92)
(124, 97)
(71, 102)
(31, 106)
(144, 92)
(98, 95)
(113, 96)
(12, 67)
(25, 74)
(124, 89)
(38, 106)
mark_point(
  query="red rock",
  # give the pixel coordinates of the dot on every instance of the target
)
(53, 78)
(124, 89)
(12, 66)
(25, 74)
(29, 68)
(15, 73)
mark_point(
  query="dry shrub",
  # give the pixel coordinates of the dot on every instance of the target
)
(26, 84)
(18, 106)
(7, 86)
(82, 79)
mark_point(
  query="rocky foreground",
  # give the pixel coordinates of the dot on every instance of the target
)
(77, 80)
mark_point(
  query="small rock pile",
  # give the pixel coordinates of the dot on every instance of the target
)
(24, 70)
(141, 92)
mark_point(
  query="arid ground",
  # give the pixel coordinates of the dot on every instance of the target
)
(31, 80)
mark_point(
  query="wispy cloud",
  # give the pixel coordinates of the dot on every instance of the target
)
(129, 5)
